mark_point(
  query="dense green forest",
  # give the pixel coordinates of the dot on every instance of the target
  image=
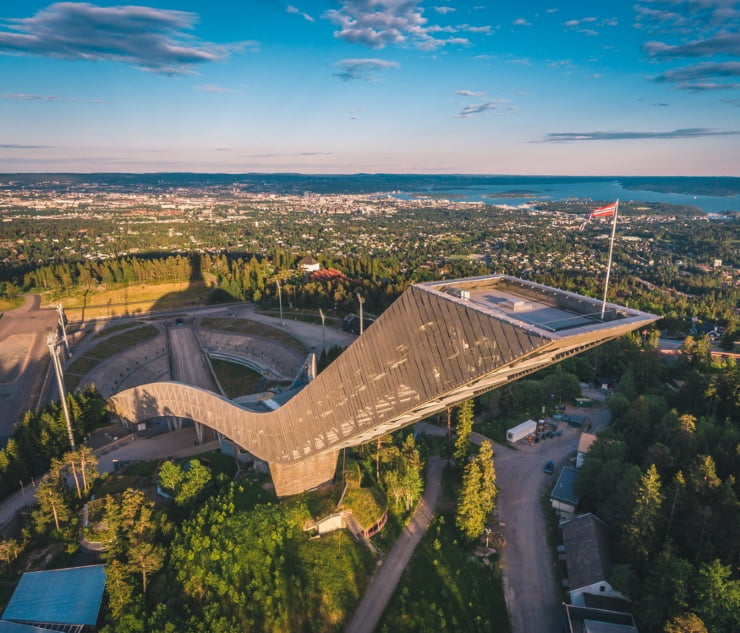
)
(42, 436)
(664, 261)
(663, 476)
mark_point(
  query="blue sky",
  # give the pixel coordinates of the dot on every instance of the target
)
(649, 87)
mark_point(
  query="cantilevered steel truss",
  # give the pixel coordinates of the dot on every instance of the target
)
(438, 344)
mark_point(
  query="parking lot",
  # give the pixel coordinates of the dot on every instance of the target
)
(533, 599)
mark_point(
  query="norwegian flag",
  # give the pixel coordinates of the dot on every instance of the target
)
(602, 212)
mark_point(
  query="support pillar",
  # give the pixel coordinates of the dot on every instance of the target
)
(296, 477)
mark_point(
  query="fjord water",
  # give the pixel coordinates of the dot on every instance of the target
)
(533, 190)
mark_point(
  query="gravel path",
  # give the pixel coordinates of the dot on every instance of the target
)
(386, 578)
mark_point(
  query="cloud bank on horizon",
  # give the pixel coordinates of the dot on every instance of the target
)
(464, 88)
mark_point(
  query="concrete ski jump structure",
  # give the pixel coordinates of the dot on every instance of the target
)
(439, 343)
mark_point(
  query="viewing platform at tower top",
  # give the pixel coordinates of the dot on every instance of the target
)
(531, 305)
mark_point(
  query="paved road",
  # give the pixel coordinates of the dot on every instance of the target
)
(23, 333)
(532, 599)
(386, 578)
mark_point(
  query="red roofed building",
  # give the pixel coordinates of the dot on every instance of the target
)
(327, 274)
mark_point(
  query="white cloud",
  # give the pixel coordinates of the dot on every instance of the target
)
(471, 93)
(478, 108)
(154, 40)
(291, 9)
(365, 69)
(381, 23)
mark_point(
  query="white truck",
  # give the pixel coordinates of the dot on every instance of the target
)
(520, 431)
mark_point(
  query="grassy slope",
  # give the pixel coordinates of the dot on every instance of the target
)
(132, 299)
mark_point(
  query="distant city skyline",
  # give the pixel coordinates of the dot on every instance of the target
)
(396, 86)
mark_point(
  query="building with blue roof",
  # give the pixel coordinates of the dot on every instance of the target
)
(563, 496)
(15, 627)
(58, 600)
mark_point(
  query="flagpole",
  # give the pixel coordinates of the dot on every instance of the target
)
(609, 264)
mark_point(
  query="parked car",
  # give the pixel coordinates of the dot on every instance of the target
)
(549, 468)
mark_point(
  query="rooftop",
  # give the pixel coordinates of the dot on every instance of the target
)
(585, 441)
(589, 620)
(15, 627)
(531, 305)
(59, 596)
(565, 486)
(587, 550)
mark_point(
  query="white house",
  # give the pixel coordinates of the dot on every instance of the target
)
(308, 264)
(588, 558)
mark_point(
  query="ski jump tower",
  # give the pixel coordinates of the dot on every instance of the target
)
(439, 343)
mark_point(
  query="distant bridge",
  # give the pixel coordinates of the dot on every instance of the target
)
(436, 345)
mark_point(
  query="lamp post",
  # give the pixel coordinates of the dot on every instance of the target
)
(60, 311)
(280, 299)
(53, 342)
(362, 323)
(323, 330)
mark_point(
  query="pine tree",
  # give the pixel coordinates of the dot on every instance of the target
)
(488, 477)
(642, 529)
(464, 428)
(470, 518)
(52, 505)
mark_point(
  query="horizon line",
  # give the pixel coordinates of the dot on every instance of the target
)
(349, 174)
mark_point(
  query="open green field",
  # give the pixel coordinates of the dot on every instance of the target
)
(235, 379)
(9, 304)
(252, 328)
(130, 300)
(446, 588)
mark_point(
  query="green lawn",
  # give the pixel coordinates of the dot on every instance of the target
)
(133, 299)
(446, 588)
(367, 505)
(236, 380)
(10, 304)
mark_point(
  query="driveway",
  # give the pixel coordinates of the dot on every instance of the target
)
(532, 598)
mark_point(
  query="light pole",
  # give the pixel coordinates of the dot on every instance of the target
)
(323, 330)
(362, 324)
(60, 311)
(280, 299)
(53, 342)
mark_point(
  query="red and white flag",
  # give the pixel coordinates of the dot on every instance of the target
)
(603, 212)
